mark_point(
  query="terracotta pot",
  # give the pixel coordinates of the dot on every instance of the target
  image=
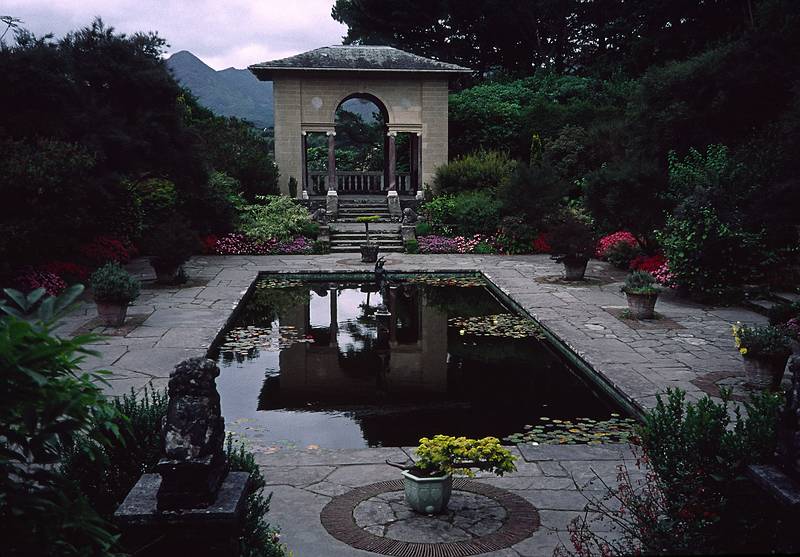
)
(764, 373)
(427, 495)
(369, 253)
(642, 306)
(574, 269)
(112, 313)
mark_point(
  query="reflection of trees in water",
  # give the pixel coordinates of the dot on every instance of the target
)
(267, 304)
(462, 301)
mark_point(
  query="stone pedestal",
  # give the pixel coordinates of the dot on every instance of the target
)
(393, 200)
(332, 204)
(211, 531)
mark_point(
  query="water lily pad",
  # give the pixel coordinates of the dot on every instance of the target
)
(505, 325)
(579, 431)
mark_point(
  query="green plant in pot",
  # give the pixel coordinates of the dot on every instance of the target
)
(428, 483)
(169, 245)
(572, 243)
(114, 288)
(642, 291)
(369, 251)
(765, 350)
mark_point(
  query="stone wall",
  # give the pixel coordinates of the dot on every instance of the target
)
(413, 103)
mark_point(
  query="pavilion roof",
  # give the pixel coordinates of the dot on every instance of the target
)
(355, 58)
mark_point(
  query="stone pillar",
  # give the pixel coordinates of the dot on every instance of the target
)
(392, 156)
(332, 201)
(331, 161)
(304, 162)
(334, 327)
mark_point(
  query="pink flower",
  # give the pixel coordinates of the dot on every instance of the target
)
(605, 243)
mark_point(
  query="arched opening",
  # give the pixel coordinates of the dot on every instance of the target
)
(361, 156)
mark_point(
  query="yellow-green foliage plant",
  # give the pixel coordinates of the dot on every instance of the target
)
(458, 455)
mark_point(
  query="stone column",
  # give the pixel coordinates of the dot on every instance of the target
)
(331, 161)
(304, 160)
(334, 327)
(392, 199)
(332, 201)
(392, 156)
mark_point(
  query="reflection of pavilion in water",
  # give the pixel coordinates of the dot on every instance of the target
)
(361, 355)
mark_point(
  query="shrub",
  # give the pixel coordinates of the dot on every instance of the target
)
(606, 242)
(278, 218)
(691, 500)
(706, 256)
(781, 313)
(621, 254)
(70, 272)
(158, 201)
(534, 192)
(625, 197)
(46, 405)
(31, 279)
(446, 455)
(474, 212)
(112, 283)
(649, 263)
(171, 242)
(541, 243)
(412, 246)
(572, 240)
(423, 229)
(514, 236)
(103, 249)
(484, 248)
(477, 171)
(320, 248)
(640, 282)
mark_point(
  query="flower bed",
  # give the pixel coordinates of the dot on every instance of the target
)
(444, 244)
(238, 244)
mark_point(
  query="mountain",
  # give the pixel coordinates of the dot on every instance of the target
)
(229, 92)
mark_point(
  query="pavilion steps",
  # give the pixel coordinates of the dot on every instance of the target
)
(348, 236)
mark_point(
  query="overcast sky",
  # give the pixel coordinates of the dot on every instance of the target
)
(222, 33)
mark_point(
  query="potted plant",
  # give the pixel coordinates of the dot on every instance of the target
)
(170, 244)
(113, 290)
(369, 251)
(429, 481)
(572, 243)
(764, 350)
(642, 291)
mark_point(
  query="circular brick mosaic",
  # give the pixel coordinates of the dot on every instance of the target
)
(480, 518)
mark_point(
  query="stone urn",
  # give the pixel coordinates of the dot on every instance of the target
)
(642, 306)
(764, 373)
(112, 314)
(369, 253)
(574, 268)
(167, 272)
(427, 495)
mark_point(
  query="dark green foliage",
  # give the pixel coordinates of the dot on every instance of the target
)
(320, 247)
(112, 283)
(172, 242)
(621, 254)
(412, 246)
(624, 197)
(423, 228)
(292, 187)
(640, 282)
(698, 453)
(258, 538)
(534, 192)
(708, 257)
(781, 313)
(483, 170)
(107, 478)
(572, 240)
(483, 248)
(466, 213)
(47, 405)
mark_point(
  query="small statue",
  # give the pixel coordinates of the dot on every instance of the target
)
(409, 216)
(194, 464)
(320, 216)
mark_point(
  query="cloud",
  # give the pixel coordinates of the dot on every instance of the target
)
(222, 33)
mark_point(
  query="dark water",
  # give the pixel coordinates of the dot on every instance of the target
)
(355, 364)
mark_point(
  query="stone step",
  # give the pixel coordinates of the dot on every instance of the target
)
(786, 297)
(354, 249)
(358, 242)
(352, 220)
(359, 227)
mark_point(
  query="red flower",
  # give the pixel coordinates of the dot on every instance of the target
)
(103, 249)
(605, 243)
(541, 244)
(70, 272)
(648, 263)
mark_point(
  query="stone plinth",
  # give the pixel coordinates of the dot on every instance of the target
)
(210, 531)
